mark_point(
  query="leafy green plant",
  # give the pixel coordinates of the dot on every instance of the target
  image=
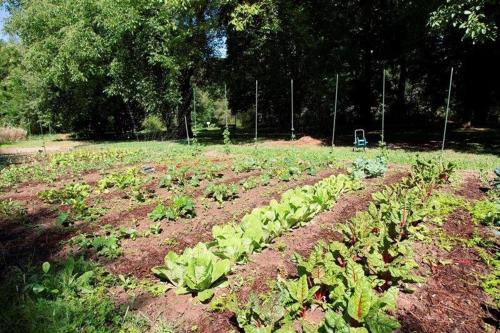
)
(486, 212)
(106, 244)
(153, 126)
(62, 293)
(155, 229)
(196, 270)
(249, 183)
(244, 165)
(72, 198)
(369, 168)
(12, 210)
(233, 243)
(120, 179)
(221, 192)
(128, 233)
(181, 206)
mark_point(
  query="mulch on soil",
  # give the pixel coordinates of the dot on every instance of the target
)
(451, 299)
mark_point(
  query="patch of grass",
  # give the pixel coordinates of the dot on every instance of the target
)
(66, 297)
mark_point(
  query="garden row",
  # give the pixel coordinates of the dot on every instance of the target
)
(353, 283)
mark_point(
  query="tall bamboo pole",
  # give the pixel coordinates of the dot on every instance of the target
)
(256, 107)
(335, 111)
(383, 105)
(447, 110)
(291, 99)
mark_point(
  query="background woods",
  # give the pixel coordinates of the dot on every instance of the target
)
(102, 66)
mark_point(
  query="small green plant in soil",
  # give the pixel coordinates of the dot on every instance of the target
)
(181, 206)
(221, 192)
(486, 212)
(369, 168)
(106, 244)
(72, 199)
(249, 183)
(120, 179)
(12, 210)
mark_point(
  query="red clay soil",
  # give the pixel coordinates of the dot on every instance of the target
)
(37, 238)
(119, 215)
(263, 266)
(471, 188)
(140, 255)
(451, 299)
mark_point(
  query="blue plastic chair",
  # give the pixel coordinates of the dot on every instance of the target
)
(359, 140)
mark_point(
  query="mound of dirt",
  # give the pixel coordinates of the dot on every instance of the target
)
(303, 141)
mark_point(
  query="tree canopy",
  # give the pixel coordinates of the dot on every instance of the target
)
(98, 66)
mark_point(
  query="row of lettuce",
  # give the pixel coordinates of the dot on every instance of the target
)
(203, 267)
(353, 283)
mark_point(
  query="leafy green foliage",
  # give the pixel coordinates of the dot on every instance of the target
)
(106, 244)
(369, 168)
(354, 280)
(196, 270)
(153, 126)
(233, 243)
(486, 212)
(181, 206)
(12, 210)
(221, 192)
(74, 197)
(227, 140)
(472, 18)
(120, 179)
(62, 294)
(249, 183)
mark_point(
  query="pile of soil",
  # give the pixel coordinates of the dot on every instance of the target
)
(303, 141)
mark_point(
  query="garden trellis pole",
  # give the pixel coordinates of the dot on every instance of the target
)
(43, 138)
(335, 111)
(291, 100)
(256, 107)
(447, 110)
(383, 104)
(225, 102)
(194, 106)
(187, 131)
(134, 128)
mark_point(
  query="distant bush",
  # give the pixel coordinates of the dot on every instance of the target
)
(153, 126)
(12, 134)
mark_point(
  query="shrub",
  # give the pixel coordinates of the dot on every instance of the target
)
(153, 126)
(12, 134)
